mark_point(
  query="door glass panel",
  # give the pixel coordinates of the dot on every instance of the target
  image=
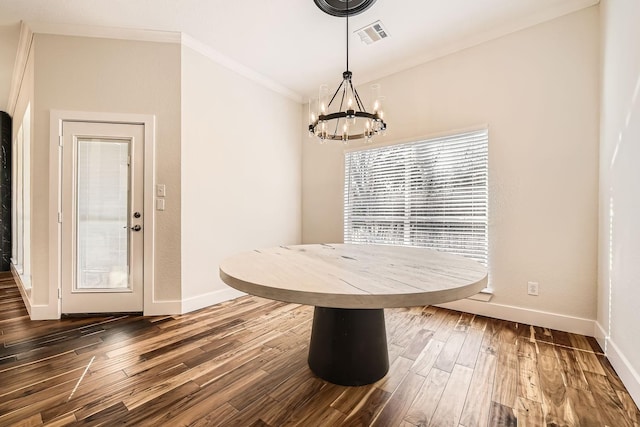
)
(103, 206)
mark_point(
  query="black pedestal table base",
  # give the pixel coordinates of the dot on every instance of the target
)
(349, 346)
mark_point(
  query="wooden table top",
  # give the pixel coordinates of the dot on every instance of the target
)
(354, 276)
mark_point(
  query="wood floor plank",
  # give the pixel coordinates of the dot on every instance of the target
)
(451, 403)
(580, 342)
(428, 357)
(197, 405)
(611, 374)
(574, 374)
(470, 348)
(589, 362)
(244, 362)
(32, 421)
(478, 401)
(528, 381)
(541, 334)
(397, 406)
(351, 398)
(397, 371)
(490, 341)
(251, 414)
(506, 380)
(215, 416)
(555, 404)
(154, 410)
(606, 400)
(529, 413)
(319, 411)
(582, 404)
(464, 322)
(405, 335)
(527, 348)
(264, 385)
(444, 330)
(561, 338)
(64, 420)
(417, 344)
(628, 405)
(449, 354)
(291, 397)
(479, 322)
(434, 317)
(367, 408)
(502, 416)
(424, 405)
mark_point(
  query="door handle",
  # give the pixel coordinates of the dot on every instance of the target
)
(136, 227)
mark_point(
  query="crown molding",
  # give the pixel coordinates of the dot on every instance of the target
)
(105, 32)
(165, 37)
(527, 21)
(239, 68)
(454, 46)
(22, 53)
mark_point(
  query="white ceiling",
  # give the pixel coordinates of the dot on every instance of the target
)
(292, 42)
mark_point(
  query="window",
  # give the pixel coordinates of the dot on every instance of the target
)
(431, 193)
(21, 200)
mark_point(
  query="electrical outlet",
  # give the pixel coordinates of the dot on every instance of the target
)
(532, 288)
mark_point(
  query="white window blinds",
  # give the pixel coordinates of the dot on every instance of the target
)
(431, 193)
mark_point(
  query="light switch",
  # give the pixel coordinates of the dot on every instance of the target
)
(159, 204)
(161, 190)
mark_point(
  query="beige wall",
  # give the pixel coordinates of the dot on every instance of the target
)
(9, 36)
(240, 172)
(227, 150)
(537, 90)
(619, 245)
(116, 76)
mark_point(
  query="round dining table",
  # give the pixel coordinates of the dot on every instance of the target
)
(350, 285)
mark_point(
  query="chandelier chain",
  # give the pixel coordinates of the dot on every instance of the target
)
(347, 34)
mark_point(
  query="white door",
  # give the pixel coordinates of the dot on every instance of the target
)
(102, 217)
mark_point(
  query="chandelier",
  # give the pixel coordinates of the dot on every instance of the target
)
(343, 116)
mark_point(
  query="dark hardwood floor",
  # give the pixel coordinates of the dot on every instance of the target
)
(244, 363)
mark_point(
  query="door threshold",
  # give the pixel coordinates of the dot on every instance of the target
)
(123, 313)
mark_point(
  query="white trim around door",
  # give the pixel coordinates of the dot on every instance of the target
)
(57, 118)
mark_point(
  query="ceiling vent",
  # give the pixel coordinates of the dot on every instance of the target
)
(372, 33)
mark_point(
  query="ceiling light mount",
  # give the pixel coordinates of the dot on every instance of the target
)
(338, 8)
(348, 119)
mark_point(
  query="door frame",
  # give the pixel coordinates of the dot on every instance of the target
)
(57, 118)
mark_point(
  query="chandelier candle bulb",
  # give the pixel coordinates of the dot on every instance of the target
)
(375, 96)
(312, 112)
(323, 94)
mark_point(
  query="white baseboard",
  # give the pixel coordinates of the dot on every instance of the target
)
(26, 297)
(36, 311)
(44, 312)
(211, 298)
(629, 376)
(161, 308)
(561, 322)
(600, 335)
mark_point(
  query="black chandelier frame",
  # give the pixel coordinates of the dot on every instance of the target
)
(377, 124)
